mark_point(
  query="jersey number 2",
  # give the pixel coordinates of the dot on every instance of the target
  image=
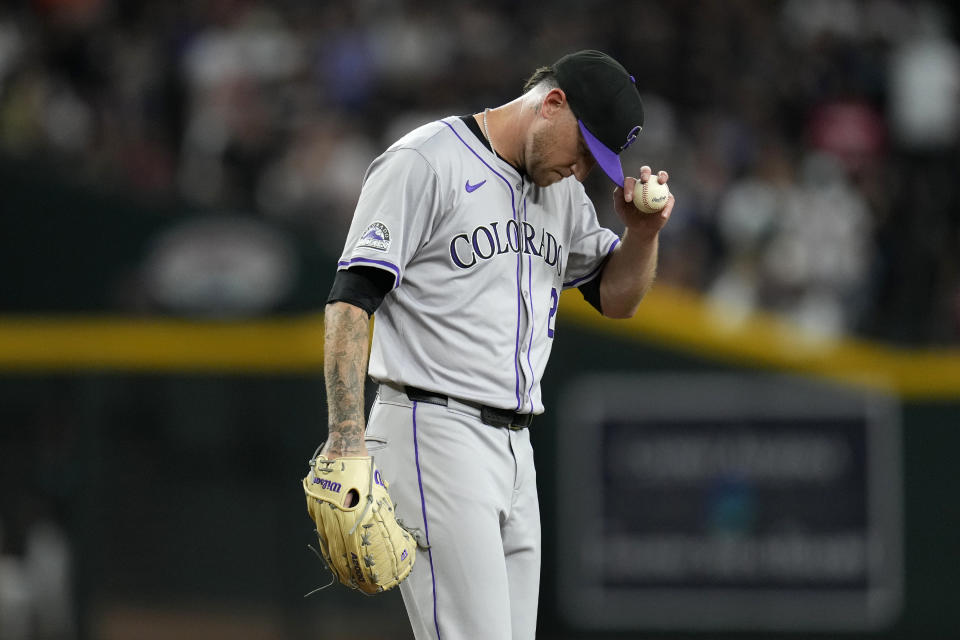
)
(554, 300)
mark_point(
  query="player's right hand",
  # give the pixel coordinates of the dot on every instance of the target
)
(633, 219)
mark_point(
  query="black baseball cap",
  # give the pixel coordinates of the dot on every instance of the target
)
(606, 102)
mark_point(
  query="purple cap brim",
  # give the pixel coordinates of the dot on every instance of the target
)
(607, 159)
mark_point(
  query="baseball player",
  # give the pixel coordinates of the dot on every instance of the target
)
(465, 233)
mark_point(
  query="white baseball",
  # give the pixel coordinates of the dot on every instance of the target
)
(650, 196)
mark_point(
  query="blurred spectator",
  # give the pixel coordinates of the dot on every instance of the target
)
(818, 261)
(928, 65)
(36, 599)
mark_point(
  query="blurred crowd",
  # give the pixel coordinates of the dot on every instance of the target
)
(813, 145)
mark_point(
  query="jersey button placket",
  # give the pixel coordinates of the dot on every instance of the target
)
(526, 336)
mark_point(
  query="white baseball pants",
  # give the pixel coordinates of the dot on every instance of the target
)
(470, 489)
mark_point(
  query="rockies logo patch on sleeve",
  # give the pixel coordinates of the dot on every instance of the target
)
(376, 236)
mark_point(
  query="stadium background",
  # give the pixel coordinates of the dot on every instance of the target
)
(176, 184)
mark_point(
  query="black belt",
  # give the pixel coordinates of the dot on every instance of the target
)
(488, 415)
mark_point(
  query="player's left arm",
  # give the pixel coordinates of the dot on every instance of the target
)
(631, 268)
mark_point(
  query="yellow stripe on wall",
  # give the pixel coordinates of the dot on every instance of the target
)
(64, 344)
(686, 322)
(670, 317)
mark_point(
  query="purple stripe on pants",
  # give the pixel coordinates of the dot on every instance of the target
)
(426, 528)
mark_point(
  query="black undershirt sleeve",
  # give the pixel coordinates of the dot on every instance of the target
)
(363, 287)
(591, 292)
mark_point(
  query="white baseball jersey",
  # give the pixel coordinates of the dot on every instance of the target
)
(479, 255)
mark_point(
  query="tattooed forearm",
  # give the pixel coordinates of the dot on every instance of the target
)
(345, 369)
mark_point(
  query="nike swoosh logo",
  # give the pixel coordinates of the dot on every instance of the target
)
(473, 187)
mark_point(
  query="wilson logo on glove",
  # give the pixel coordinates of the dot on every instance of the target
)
(364, 545)
(327, 484)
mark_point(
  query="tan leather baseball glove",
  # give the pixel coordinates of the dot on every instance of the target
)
(363, 544)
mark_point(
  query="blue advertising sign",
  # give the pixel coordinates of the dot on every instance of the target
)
(695, 501)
